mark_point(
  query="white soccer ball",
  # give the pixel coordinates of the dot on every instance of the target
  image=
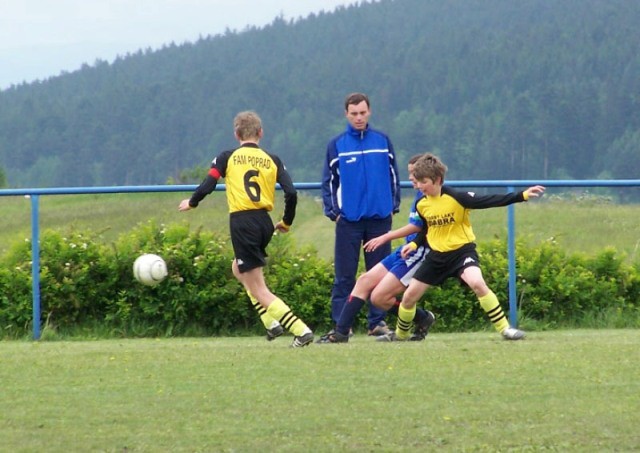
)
(150, 269)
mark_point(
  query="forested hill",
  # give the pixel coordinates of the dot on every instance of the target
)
(534, 89)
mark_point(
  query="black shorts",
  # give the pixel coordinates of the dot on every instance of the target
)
(439, 266)
(251, 232)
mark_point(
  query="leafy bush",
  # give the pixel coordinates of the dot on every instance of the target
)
(87, 285)
(557, 288)
(200, 292)
(302, 280)
(15, 300)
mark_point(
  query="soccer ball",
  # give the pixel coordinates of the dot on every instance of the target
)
(149, 269)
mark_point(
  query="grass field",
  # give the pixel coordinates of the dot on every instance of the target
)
(565, 390)
(581, 225)
(573, 390)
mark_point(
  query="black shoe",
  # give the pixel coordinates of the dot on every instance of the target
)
(379, 330)
(302, 340)
(323, 338)
(422, 328)
(335, 337)
(274, 332)
(387, 338)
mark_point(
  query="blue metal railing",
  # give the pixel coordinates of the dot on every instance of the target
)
(510, 185)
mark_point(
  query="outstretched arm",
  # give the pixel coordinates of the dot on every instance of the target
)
(207, 186)
(401, 232)
(471, 200)
(533, 191)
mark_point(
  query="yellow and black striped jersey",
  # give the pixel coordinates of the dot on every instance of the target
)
(250, 175)
(447, 217)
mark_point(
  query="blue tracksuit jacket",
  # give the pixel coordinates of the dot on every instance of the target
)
(360, 176)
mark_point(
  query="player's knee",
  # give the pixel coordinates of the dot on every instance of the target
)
(364, 284)
(236, 272)
(479, 287)
(411, 296)
(379, 301)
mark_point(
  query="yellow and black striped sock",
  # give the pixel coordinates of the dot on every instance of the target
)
(266, 318)
(491, 306)
(405, 320)
(282, 313)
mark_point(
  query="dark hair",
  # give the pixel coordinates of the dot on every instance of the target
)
(355, 99)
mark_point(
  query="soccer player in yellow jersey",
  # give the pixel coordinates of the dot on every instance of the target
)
(445, 214)
(250, 176)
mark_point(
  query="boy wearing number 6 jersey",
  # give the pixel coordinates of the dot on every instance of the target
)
(250, 176)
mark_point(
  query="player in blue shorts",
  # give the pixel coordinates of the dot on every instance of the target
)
(383, 282)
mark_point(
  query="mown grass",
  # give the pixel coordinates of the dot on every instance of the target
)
(578, 225)
(573, 390)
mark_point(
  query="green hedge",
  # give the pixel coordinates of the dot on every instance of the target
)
(88, 286)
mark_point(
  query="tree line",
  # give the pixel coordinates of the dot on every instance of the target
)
(499, 89)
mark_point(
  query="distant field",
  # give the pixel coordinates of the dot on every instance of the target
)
(578, 226)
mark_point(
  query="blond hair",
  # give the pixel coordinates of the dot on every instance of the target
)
(247, 125)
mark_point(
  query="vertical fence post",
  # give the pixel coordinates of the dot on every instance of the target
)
(511, 255)
(35, 264)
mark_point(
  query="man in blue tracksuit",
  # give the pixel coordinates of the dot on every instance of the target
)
(360, 193)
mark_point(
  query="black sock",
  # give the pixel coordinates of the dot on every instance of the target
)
(348, 315)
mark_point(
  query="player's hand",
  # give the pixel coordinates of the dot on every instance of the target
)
(282, 227)
(374, 243)
(184, 205)
(407, 250)
(534, 191)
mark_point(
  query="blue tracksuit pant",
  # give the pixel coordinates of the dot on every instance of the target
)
(350, 237)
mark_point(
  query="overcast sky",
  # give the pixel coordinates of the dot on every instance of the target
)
(41, 38)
